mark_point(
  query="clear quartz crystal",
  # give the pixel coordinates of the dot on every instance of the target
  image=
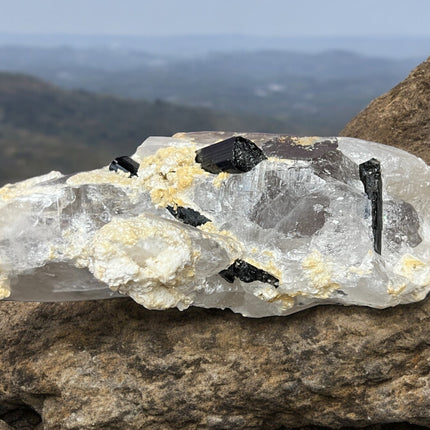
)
(301, 216)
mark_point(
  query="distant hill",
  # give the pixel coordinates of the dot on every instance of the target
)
(308, 93)
(400, 46)
(43, 127)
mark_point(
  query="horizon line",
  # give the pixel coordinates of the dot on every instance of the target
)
(263, 36)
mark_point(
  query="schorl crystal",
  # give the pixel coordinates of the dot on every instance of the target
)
(233, 155)
(370, 175)
(126, 164)
(248, 273)
(188, 216)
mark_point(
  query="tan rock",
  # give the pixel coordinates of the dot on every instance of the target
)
(400, 117)
(115, 365)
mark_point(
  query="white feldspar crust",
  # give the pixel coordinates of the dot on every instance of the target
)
(114, 231)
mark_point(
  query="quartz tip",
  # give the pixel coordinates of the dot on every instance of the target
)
(126, 164)
(233, 155)
(370, 176)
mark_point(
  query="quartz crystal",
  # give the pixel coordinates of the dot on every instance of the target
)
(258, 223)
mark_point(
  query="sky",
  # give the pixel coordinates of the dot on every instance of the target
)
(180, 17)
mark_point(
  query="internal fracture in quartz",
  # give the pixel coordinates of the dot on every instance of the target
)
(261, 224)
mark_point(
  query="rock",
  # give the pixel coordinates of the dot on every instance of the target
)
(115, 365)
(400, 117)
(19, 416)
(5, 426)
(264, 228)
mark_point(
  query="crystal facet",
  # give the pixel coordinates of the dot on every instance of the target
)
(126, 164)
(188, 216)
(233, 155)
(298, 223)
(370, 175)
(247, 273)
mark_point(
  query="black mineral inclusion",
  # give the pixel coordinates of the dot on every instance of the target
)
(233, 155)
(188, 215)
(126, 164)
(248, 273)
(370, 175)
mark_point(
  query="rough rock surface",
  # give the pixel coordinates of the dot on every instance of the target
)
(400, 117)
(114, 365)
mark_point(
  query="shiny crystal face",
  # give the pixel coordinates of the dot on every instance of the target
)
(261, 224)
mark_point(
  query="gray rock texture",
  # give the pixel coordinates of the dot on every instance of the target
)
(115, 365)
(400, 117)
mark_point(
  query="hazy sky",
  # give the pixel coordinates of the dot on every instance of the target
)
(166, 17)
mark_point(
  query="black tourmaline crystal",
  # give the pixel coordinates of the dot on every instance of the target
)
(126, 164)
(370, 175)
(233, 155)
(188, 216)
(248, 273)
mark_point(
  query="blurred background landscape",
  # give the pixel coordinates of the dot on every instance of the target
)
(73, 101)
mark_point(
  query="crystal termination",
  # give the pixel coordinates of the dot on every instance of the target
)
(126, 164)
(234, 155)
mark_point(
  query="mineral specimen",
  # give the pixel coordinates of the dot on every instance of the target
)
(261, 224)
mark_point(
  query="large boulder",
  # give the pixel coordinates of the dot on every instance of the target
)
(400, 117)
